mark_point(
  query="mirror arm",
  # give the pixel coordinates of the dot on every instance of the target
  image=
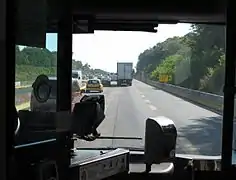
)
(148, 168)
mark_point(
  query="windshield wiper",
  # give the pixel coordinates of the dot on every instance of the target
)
(118, 137)
(111, 148)
(88, 138)
(131, 148)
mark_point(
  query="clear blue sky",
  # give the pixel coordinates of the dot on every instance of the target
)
(51, 42)
(104, 49)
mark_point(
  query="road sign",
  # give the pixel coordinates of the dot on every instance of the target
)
(163, 78)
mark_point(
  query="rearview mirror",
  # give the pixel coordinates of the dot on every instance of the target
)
(160, 140)
(87, 116)
(100, 98)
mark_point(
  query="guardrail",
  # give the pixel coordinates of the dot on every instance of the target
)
(22, 96)
(23, 84)
(209, 101)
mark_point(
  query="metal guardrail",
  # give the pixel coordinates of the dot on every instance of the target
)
(23, 84)
(210, 101)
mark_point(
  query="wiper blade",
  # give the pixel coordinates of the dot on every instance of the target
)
(197, 157)
(110, 148)
(118, 137)
(129, 148)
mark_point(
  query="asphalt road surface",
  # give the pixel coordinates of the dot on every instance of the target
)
(127, 108)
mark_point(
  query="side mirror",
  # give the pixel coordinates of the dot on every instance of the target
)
(41, 88)
(160, 140)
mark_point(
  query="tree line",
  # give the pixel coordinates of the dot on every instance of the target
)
(194, 61)
(31, 62)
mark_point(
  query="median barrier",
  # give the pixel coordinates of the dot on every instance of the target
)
(22, 87)
(210, 101)
(23, 84)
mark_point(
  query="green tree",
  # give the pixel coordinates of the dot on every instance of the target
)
(31, 62)
(151, 58)
(200, 51)
(167, 67)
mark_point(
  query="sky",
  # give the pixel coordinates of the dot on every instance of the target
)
(103, 49)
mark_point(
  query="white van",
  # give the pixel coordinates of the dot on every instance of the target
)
(77, 75)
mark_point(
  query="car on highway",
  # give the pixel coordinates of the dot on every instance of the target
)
(50, 104)
(113, 83)
(113, 79)
(106, 81)
(94, 85)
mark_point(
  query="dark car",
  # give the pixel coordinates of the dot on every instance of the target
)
(106, 81)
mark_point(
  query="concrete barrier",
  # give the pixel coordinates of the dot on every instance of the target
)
(210, 101)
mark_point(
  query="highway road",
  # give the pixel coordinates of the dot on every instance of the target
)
(127, 108)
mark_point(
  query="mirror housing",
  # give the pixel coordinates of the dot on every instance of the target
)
(41, 81)
(160, 140)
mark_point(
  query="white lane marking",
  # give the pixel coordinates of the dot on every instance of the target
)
(142, 96)
(152, 107)
(147, 101)
(138, 92)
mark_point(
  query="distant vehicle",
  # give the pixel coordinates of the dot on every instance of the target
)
(106, 81)
(124, 74)
(94, 85)
(77, 75)
(113, 77)
(113, 83)
(50, 104)
(90, 77)
(99, 77)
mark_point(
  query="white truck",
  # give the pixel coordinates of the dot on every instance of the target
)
(124, 73)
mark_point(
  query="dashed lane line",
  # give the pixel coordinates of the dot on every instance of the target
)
(153, 108)
(147, 101)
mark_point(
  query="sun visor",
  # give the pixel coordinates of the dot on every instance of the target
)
(31, 23)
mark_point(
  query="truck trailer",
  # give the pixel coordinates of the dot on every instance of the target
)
(124, 73)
